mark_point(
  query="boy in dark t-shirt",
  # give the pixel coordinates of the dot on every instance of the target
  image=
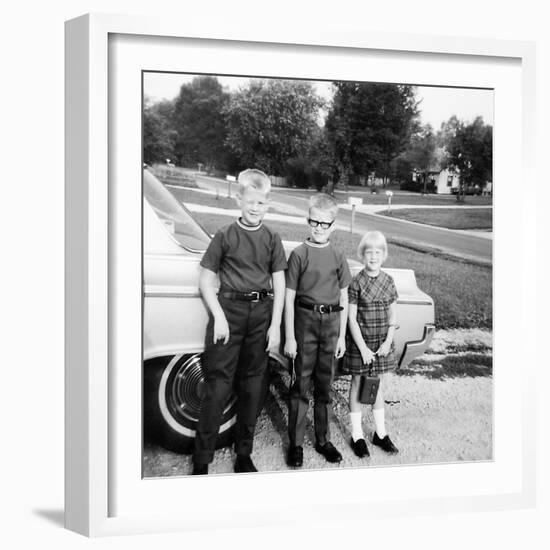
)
(244, 320)
(316, 310)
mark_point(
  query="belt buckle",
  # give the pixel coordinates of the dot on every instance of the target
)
(255, 295)
(322, 309)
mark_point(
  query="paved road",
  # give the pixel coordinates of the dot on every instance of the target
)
(417, 235)
(451, 242)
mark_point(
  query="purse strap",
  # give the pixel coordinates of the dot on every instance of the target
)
(371, 364)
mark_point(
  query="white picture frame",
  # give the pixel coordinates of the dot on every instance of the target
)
(104, 493)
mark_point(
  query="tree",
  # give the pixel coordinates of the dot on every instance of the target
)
(369, 125)
(470, 151)
(314, 167)
(159, 136)
(421, 154)
(200, 122)
(270, 122)
(447, 131)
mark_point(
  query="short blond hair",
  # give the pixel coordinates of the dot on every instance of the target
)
(373, 239)
(324, 202)
(254, 179)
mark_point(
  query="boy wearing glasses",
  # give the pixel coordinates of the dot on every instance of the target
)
(316, 310)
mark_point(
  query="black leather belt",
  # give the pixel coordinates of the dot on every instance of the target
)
(320, 308)
(253, 296)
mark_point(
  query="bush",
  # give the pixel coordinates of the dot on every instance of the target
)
(418, 186)
(300, 172)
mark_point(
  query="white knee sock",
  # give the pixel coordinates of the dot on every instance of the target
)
(379, 423)
(356, 428)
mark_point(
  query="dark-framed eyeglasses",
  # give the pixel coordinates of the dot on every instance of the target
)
(315, 223)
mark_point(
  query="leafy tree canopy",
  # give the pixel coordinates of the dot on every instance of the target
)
(270, 122)
(159, 136)
(421, 154)
(370, 124)
(422, 149)
(470, 150)
(199, 122)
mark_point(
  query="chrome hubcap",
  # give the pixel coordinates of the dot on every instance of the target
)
(185, 389)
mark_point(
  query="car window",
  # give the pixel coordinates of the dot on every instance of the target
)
(175, 217)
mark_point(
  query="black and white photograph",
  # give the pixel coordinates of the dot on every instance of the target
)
(317, 274)
(276, 300)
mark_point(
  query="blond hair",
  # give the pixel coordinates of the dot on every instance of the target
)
(254, 179)
(374, 239)
(324, 202)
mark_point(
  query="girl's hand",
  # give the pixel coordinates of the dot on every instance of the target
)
(290, 347)
(367, 356)
(384, 349)
(340, 347)
(221, 329)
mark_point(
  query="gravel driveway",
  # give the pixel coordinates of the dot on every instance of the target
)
(429, 420)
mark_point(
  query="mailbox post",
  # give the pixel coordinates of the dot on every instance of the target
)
(389, 194)
(230, 180)
(353, 201)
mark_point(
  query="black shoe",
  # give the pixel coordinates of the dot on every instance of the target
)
(295, 456)
(244, 465)
(199, 469)
(329, 451)
(360, 447)
(385, 443)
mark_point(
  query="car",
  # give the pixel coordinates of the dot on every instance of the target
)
(175, 318)
(468, 190)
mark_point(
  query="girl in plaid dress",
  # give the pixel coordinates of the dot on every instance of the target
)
(369, 345)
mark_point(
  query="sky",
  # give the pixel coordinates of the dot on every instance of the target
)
(438, 104)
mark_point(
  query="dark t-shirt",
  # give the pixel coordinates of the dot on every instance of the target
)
(245, 258)
(317, 273)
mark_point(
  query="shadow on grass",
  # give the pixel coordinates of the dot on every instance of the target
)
(451, 366)
(470, 347)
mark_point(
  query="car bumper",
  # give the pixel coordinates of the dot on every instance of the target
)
(418, 347)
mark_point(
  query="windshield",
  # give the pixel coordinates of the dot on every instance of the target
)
(177, 220)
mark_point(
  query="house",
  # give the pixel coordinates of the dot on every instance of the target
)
(446, 182)
(442, 182)
(443, 179)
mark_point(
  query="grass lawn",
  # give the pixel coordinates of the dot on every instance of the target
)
(399, 197)
(456, 218)
(462, 292)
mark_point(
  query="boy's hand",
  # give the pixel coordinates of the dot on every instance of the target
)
(291, 348)
(384, 349)
(367, 356)
(221, 329)
(273, 337)
(340, 347)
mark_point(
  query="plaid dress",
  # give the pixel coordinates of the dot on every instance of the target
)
(373, 296)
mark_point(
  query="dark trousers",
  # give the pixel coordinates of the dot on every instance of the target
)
(240, 366)
(316, 337)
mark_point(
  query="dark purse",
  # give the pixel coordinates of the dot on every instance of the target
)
(368, 388)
